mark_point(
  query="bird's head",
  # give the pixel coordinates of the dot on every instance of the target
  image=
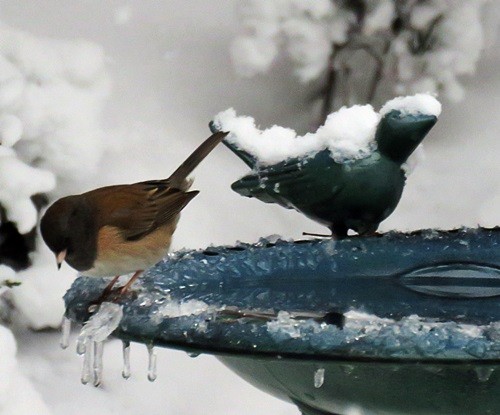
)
(64, 228)
(398, 134)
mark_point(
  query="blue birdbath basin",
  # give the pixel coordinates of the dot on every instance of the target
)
(389, 324)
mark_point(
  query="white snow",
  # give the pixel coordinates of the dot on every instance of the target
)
(413, 105)
(158, 114)
(17, 394)
(39, 297)
(380, 16)
(348, 133)
(18, 182)
(308, 31)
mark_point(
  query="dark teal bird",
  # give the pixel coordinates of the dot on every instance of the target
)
(356, 194)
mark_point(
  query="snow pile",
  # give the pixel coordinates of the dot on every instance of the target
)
(39, 297)
(17, 395)
(348, 134)
(425, 47)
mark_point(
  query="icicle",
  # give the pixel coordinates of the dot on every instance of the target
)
(103, 323)
(81, 345)
(151, 363)
(484, 373)
(319, 378)
(65, 331)
(87, 362)
(90, 342)
(97, 366)
(126, 359)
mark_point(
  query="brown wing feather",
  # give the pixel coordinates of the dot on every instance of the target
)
(140, 208)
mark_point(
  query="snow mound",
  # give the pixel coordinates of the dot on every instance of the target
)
(348, 133)
(17, 394)
(39, 297)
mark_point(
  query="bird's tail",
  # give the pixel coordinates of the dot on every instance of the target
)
(247, 158)
(184, 170)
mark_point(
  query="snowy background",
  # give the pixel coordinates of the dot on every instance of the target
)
(95, 93)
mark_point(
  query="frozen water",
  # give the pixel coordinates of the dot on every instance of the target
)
(126, 359)
(90, 342)
(81, 347)
(278, 297)
(151, 363)
(484, 373)
(65, 332)
(102, 323)
(284, 326)
(319, 378)
(98, 364)
(87, 362)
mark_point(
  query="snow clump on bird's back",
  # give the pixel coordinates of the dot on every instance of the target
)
(348, 133)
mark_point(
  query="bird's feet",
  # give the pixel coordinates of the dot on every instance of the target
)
(111, 294)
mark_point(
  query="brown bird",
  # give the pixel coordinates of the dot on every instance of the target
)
(116, 230)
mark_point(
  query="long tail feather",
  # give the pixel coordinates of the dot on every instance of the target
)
(178, 176)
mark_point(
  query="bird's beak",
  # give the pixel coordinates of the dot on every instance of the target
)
(60, 256)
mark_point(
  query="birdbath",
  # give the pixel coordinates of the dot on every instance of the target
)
(399, 323)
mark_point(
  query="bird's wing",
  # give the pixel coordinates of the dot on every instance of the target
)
(140, 208)
(289, 183)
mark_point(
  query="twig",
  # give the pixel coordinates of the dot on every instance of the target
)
(346, 75)
(331, 84)
(378, 73)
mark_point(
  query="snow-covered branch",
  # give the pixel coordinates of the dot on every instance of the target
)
(51, 97)
(413, 46)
